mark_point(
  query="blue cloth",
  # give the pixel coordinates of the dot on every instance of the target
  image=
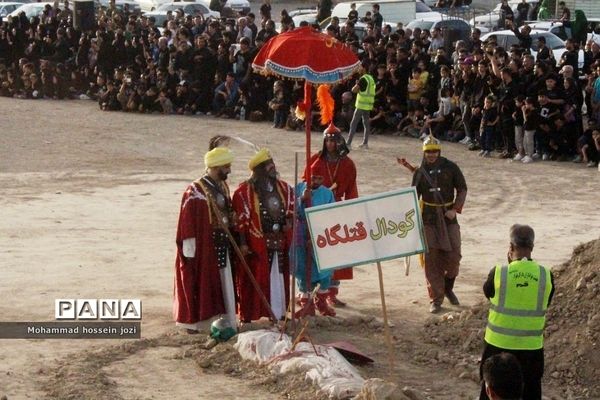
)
(321, 195)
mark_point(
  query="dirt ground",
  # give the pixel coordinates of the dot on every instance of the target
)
(89, 204)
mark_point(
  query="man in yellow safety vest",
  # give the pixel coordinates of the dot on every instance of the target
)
(365, 98)
(520, 294)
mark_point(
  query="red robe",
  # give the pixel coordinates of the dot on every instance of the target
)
(246, 207)
(343, 175)
(197, 292)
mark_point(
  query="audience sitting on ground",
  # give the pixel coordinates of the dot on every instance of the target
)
(199, 66)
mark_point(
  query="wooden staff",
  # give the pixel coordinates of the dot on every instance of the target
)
(386, 327)
(243, 260)
(294, 238)
(406, 164)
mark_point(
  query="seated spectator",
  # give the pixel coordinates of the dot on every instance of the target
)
(394, 114)
(108, 98)
(438, 123)
(414, 122)
(279, 105)
(134, 101)
(406, 121)
(588, 147)
(150, 101)
(184, 102)
(415, 87)
(242, 108)
(166, 105)
(226, 97)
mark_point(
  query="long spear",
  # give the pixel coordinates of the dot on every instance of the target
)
(243, 260)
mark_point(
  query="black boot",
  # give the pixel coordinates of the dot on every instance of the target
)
(449, 285)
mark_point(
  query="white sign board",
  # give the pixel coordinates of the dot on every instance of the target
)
(365, 230)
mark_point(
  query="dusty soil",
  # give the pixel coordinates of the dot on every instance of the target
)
(89, 209)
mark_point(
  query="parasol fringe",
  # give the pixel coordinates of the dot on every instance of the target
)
(326, 104)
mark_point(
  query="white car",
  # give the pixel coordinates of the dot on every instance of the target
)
(424, 11)
(236, 5)
(360, 28)
(189, 8)
(8, 7)
(30, 9)
(490, 20)
(159, 19)
(239, 6)
(507, 38)
(557, 29)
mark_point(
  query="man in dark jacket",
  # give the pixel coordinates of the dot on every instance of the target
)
(442, 187)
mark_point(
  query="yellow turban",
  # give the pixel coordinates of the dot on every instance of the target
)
(218, 157)
(431, 143)
(259, 158)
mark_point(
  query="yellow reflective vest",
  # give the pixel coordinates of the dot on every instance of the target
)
(366, 98)
(518, 309)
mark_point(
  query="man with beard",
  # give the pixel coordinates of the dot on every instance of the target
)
(203, 275)
(263, 208)
(339, 177)
(442, 188)
(267, 33)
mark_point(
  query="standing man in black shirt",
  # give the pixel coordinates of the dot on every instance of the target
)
(377, 18)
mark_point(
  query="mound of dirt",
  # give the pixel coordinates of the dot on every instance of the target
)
(573, 328)
(224, 359)
(572, 354)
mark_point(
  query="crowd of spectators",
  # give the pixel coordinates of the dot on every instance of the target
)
(489, 98)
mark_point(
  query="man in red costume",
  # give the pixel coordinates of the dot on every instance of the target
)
(203, 277)
(340, 177)
(264, 210)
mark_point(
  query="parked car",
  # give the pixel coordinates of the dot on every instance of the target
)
(424, 11)
(133, 6)
(30, 9)
(310, 18)
(557, 29)
(237, 6)
(491, 20)
(159, 19)
(507, 38)
(189, 8)
(452, 28)
(302, 14)
(8, 7)
(360, 28)
(392, 11)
